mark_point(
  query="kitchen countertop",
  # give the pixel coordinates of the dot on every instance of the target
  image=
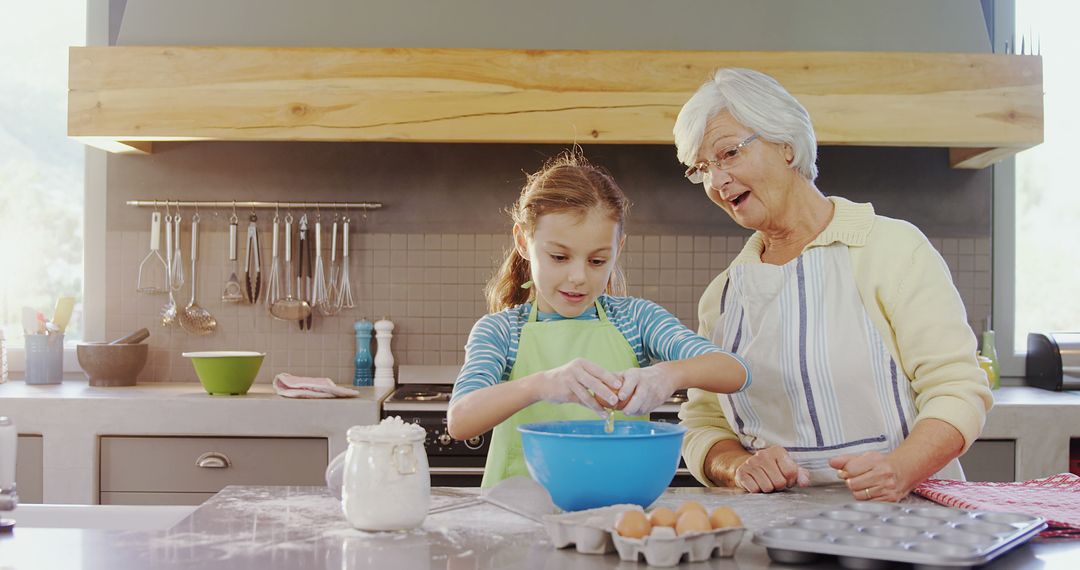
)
(303, 527)
(72, 415)
(1041, 422)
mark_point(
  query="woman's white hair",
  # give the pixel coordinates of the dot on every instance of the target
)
(758, 102)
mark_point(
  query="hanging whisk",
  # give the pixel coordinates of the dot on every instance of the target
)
(273, 290)
(319, 296)
(344, 296)
(335, 267)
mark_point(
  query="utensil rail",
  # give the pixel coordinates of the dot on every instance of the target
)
(254, 204)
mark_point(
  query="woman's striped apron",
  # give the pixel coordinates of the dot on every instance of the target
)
(824, 382)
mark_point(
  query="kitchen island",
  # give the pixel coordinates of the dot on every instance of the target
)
(303, 527)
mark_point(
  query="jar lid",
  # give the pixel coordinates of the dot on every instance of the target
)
(390, 430)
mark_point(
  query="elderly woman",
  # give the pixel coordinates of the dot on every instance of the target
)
(862, 361)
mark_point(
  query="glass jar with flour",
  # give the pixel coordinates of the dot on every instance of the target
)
(386, 484)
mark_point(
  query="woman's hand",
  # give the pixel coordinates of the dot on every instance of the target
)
(644, 389)
(770, 469)
(578, 381)
(872, 476)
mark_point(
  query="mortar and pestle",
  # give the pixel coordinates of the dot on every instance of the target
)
(115, 363)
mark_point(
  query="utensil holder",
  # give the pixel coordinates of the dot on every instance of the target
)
(44, 358)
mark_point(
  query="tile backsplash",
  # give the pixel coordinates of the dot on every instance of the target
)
(430, 286)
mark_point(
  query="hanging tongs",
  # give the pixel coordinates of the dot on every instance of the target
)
(252, 265)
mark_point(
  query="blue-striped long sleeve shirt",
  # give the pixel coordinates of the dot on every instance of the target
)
(654, 334)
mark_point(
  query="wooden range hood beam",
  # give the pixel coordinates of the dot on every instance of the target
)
(985, 107)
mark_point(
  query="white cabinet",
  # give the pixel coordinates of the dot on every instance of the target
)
(188, 470)
(990, 460)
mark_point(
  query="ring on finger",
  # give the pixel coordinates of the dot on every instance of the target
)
(866, 493)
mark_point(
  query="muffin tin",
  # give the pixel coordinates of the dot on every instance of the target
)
(592, 532)
(868, 536)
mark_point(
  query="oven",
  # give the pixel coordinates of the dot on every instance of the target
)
(422, 398)
(452, 463)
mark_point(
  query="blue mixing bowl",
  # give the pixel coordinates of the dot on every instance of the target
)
(582, 467)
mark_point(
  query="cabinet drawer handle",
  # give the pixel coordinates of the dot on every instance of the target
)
(213, 460)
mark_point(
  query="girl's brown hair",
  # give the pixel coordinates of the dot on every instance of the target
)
(566, 183)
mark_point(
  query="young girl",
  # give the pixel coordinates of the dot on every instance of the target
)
(559, 344)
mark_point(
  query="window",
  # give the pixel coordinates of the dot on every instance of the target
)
(41, 169)
(1047, 201)
(1036, 204)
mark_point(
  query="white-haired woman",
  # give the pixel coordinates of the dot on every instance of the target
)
(863, 363)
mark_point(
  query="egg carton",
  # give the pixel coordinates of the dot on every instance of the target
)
(869, 536)
(592, 532)
(669, 551)
(589, 530)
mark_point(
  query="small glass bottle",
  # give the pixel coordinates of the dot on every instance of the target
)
(364, 373)
(990, 351)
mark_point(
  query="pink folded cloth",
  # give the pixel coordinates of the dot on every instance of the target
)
(291, 386)
(1055, 498)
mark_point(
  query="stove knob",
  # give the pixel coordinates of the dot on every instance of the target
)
(445, 439)
(474, 442)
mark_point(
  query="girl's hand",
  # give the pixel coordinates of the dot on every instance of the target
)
(644, 389)
(578, 381)
(770, 469)
(872, 476)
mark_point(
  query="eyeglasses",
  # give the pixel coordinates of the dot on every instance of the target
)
(725, 159)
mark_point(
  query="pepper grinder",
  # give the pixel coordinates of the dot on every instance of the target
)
(363, 375)
(8, 498)
(384, 361)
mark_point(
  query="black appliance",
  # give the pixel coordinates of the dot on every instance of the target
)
(1053, 361)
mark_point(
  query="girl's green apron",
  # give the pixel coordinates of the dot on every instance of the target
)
(543, 346)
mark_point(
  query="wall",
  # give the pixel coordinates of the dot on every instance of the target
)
(422, 260)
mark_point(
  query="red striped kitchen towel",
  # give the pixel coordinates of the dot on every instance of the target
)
(1055, 498)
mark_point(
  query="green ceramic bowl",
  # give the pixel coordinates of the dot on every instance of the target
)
(226, 372)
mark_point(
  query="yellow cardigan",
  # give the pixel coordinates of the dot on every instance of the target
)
(908, 294)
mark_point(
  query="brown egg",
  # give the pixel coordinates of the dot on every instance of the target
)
(724, 517)
(632, 524)
(691, 506)
(692, 521)
(663, 516)
(604, 404)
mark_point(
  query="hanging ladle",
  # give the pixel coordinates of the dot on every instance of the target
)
(193, 318)
(289, 308)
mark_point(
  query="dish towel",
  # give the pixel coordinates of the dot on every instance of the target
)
(291, 386)
(1055, 498)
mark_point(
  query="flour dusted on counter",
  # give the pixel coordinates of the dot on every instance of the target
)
(386, 485)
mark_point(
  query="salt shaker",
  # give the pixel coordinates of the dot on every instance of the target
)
(384, 361)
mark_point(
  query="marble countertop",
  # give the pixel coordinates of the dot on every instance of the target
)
(303, 527)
